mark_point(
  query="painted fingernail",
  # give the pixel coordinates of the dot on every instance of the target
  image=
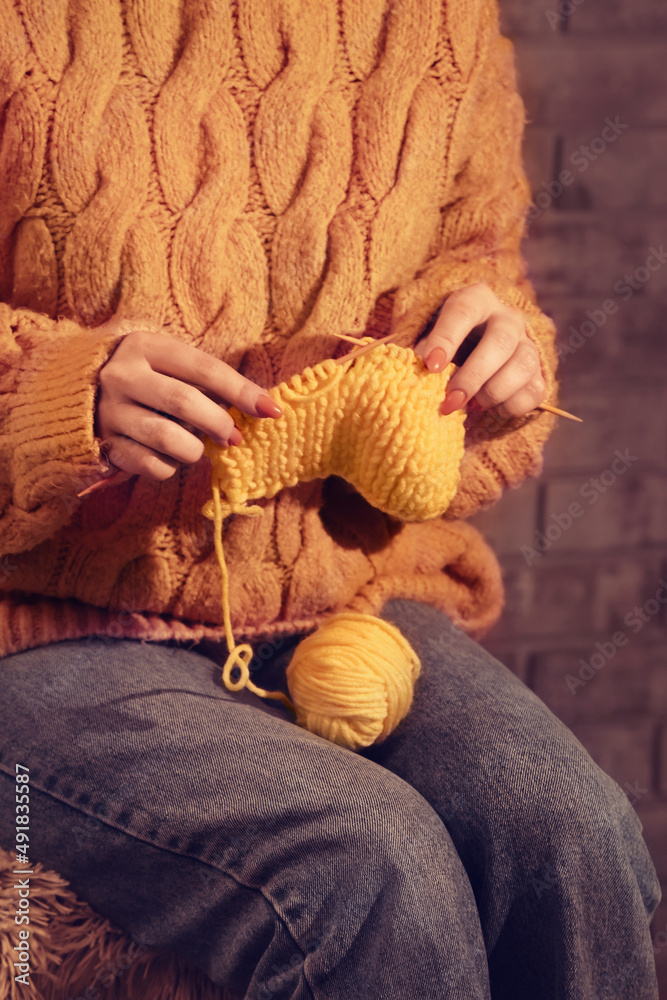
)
(235, 437)
(267, 407)
(453, 400)
(436, 360)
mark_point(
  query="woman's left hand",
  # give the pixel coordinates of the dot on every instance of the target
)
(503, 370)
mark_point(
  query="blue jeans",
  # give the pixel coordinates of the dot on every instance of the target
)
(478, 852)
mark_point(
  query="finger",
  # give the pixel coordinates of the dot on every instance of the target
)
(195, 367)
(463, 310)
(136, 459)
(525, 400)
(522, 368)
(185, 403)
(501, 338)
(158, 432)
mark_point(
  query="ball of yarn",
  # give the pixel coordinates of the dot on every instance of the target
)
(352, 680)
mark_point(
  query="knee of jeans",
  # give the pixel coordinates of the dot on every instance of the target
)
(387, 844)
(566, 813)
(383, 824)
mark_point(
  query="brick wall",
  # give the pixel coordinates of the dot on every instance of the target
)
(584, 547)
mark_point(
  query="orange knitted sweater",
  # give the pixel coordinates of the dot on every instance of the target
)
(252, 176)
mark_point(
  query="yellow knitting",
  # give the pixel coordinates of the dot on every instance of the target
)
(375, 422)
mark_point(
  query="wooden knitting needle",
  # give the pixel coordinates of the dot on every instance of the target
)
(118, 475)
(345, 336)
(383, 340)
(559, 413)
(363, 349)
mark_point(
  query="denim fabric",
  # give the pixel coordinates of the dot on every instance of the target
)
(478, 852)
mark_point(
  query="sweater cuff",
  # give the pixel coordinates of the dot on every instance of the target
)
(48, 448)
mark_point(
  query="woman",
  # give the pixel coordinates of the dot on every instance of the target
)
(199, 196)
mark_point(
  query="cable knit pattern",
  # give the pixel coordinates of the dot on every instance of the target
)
(253, 177)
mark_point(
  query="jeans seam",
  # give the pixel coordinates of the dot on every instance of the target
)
(180, 854)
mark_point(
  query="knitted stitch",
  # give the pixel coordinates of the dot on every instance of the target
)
(373, 420)
(249, 177)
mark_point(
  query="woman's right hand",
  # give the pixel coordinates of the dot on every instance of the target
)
(152, 377)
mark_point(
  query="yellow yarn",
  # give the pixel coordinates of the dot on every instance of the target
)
(375, 422)
(352, 680)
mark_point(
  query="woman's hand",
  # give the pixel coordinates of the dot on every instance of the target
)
(158, 393)
(503, 370)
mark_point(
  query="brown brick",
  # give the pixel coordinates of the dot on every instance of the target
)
(596, 255)
(659, 922)
(660, 683)
(623, 684)
(659, 936)
(623, 174)
(581, 79)
(519, 589)
(545, 600)
(619, 15)
(519, 18)
(539, 144)
(653, 816)
(630, 342)
(628, 414)
(628, 512)
(624, 751)
(511, 522)
(622, 584)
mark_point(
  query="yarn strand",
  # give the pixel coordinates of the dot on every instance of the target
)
(241, 655)
(375, 421)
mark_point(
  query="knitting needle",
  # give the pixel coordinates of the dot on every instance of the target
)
(383, 340)
(107, 481)
(559, 413)
(361, 350)
(344, 336)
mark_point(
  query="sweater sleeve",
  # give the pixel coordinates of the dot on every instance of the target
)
(486, 197)
(48, 448)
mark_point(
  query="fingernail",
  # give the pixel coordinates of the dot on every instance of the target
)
(453, 400)
(235, 437)
(436, 360)
(266, 407)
